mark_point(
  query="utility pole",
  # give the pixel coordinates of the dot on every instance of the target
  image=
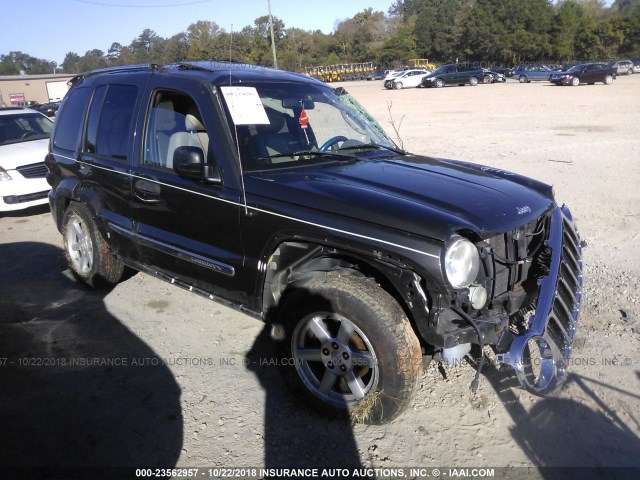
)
(273, 40)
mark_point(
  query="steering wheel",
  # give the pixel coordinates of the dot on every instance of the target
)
(332, 141)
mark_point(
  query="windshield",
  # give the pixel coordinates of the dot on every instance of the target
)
(23, 127)
(284, 125)
(440, 69)
(575, 68)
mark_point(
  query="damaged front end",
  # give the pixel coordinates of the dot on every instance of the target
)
(524, 302)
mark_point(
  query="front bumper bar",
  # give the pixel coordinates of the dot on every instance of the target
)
(541, 355)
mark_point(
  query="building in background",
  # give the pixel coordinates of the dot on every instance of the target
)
(23, 89)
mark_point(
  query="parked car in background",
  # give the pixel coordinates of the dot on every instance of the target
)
(49, 109)
(24, 139)
(585, 73)
(390, 77)
(503, 70)
(407, 78)
(376, 75)
(29, 104)
(526, 74)
(491, 76)
(623, 67)
(636, 65)
(454, 74)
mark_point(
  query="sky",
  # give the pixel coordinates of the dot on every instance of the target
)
(49, 29)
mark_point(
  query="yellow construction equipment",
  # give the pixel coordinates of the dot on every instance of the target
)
(421, 63)
(340, 72)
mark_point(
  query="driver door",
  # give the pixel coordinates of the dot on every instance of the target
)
(186, 228)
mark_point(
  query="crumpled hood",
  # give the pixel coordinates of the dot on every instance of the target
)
(420, 195)
(23, 153)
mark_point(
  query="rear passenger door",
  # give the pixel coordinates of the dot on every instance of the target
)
(105, 158)
(187, 229)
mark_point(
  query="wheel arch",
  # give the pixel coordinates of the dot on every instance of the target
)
(65, 193)
(292, 263)
(90, 197)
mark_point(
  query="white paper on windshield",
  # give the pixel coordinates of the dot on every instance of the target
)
(245, 105)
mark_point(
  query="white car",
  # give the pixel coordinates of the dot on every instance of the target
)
(24, 141)
(390, 77)
(624, 67)
(408, 78)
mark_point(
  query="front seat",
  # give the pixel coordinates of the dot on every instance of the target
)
(193, 135)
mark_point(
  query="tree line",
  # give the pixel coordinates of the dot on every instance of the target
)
(501, 32)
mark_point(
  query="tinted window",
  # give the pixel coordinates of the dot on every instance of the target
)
(114, 124)
(70, 120)
(94, 118)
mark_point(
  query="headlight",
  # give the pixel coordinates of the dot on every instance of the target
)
(4, 175)
(461, 262)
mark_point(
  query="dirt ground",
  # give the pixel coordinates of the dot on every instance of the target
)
(184, 387)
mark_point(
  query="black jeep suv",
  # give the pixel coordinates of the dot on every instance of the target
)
(279, 195)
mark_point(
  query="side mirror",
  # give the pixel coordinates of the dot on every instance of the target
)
(188, 162)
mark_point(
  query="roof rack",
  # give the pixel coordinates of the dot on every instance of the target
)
(124, 68)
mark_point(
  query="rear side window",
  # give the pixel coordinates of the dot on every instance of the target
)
(109, 123)
(70, 118)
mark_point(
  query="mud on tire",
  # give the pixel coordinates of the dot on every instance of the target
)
(352, 348)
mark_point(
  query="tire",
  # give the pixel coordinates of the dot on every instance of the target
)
(486, 80)
(398, 85)
(87, 252)
(439, 83)
(473, 81)
(575, 81)
(331, 319)
(522, 79)
(608, 80)
(630, 71)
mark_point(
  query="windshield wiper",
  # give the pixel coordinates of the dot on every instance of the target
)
(303, 153)
(371, 146)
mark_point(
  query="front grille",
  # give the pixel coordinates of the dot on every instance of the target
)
(564, 314)
(547, 342)
(34, 170)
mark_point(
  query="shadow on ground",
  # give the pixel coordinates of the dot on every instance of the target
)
(79, 390)
(566, 439)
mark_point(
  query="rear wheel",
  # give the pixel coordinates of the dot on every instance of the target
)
(352, 347)
(473, 81)
(522, 79)
(87, 252)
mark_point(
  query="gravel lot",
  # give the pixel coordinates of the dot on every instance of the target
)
(179, 391)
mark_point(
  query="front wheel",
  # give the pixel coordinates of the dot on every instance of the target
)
(473, 81)
(522, 79)
(439, 83)
(352, 348)
(87, 252)
(608, 80)
(398, 85)
(575, 81)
